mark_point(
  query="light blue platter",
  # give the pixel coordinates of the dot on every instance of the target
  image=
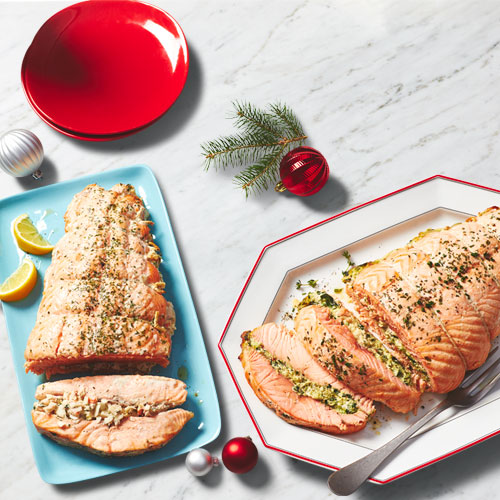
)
(46, 206)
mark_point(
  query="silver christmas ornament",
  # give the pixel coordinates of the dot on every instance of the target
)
(21, 153)
(199, 462)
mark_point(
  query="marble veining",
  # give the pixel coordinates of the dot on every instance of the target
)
(391, 92)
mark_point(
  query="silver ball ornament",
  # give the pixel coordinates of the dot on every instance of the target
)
(199, 462)
(21, 153)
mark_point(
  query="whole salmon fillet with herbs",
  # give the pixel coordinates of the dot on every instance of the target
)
(103, 307)
(111, 415)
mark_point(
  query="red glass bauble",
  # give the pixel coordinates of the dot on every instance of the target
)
(303, 171)
(240, 455)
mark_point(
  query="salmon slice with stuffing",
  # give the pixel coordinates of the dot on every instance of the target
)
(111, 415)
(287, 379)
(380, 293)
(334, 346)
(369, 334)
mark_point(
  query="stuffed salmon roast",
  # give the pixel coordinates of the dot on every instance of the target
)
(103, 308)
(413, 321)
(111, 414)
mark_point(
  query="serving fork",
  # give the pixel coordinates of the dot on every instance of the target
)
(474, 387)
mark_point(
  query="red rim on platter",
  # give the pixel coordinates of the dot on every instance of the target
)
(105, 68)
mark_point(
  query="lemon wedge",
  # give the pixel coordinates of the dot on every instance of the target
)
(28, 238)
(20, 283)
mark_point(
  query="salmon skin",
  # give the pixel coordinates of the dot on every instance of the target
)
(334, 346)
(103, 305)
(287, 379)
(111, 414)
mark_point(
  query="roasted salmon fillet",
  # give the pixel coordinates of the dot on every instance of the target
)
(111, 414)
(415, 320)
(103, 307)
(287, 379)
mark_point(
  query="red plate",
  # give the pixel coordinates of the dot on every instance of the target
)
(92, 138)
(105, 68)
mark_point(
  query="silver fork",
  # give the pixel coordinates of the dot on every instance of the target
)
(475, 386)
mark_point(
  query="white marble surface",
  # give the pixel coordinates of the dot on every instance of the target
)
(391, 92)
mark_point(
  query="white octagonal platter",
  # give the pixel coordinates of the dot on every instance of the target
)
(367, 232)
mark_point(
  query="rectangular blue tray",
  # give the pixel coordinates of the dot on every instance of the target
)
(59, 464)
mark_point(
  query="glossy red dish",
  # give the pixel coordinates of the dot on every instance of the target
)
(105, 68)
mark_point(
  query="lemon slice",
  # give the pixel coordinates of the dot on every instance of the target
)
(28, 238)
(20, 283)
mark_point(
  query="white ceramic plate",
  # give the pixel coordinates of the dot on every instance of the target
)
(367, 232)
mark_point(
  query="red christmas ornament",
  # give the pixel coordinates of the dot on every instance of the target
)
(303, 171)
(240, 455)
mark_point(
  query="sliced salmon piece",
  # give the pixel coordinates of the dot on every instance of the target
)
(334, 346)
(458, 254)
(382, 293)
(123, 389)
(446, 300)
(285, 354)
(103, 414)
(370, 333)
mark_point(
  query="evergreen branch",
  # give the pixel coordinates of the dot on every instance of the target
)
(259, 176)
(288, 119)
(265, 137)
(234, 149)
(252, 119)
(242, 149)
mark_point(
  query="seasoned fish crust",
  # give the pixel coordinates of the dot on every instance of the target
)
(102, 300)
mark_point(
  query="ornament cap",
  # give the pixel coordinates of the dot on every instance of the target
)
(37, 174)
(280, 187)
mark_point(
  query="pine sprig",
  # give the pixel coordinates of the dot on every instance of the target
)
(287, 119)
(265, 137)
(251, 119)
(235, 149)
(259, 176)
